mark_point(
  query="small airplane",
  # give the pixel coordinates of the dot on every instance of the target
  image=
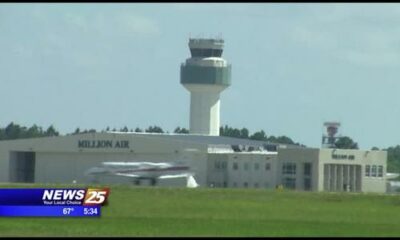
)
(392, 175)
(146, 170)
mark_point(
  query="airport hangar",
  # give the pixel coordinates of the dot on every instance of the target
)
(217, 161)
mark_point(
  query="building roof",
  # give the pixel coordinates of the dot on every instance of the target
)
(212, 140)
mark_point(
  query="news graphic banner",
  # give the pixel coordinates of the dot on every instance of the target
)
(52, 202)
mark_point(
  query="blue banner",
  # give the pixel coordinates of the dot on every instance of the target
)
(52, 202)
(34, 196)
(49, 211)
(29, 196)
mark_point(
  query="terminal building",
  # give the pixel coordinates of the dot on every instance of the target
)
(217, 161)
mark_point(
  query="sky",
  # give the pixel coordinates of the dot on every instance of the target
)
(294, 66)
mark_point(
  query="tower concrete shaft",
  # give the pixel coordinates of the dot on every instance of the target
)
(205, 75)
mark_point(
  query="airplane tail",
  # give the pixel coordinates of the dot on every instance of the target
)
(191, 182)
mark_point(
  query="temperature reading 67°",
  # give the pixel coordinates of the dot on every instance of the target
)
(67, 211)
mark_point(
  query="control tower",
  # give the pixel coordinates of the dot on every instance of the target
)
(329, 139)
(205, 74)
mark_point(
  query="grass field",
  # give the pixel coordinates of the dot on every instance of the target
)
(145, 211)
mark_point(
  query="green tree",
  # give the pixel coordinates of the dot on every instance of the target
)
(2, 134)
(284, 140)
(12, 131)
(346, 143)
(51, 131)
(138, 130)
(227, 131)
(244, 133)
(155, 129)
(181, 130)
(35, 131)
(393, 159)
(77, 131)
(261, 136)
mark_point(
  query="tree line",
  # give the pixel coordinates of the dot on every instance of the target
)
(16, 131)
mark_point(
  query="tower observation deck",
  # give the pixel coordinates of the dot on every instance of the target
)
(205, 74)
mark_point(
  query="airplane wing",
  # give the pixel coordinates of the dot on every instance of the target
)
(124, 164)
(96, 171)
(120, 164)
(191, 182)
(392, 175)
(175, 176)
(127, 175)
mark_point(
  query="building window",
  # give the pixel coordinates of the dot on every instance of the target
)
(223, 165)
(256, 166)
(380, 171)
(289, 168)
(217, 165)
(367, 170)
(307, 184)
(245, 184)
(289, 183)
(235, 166)
(267, 166)
(373, 171)
(246, 166)
(307, 169)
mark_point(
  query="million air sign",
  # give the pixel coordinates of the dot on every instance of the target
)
(103, 144)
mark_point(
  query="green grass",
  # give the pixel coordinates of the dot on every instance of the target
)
(144, 211)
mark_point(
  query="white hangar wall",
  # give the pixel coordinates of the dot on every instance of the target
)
(242, 169)
(66, 158)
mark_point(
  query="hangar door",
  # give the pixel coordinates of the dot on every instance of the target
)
(22, 167)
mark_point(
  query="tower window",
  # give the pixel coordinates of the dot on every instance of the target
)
(205, 52)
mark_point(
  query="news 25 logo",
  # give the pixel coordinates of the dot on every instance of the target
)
(87, 197)
(96, 196)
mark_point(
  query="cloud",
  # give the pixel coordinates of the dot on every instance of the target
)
(117, 23)
(77, 20)
(136, 24)
(365, 35)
